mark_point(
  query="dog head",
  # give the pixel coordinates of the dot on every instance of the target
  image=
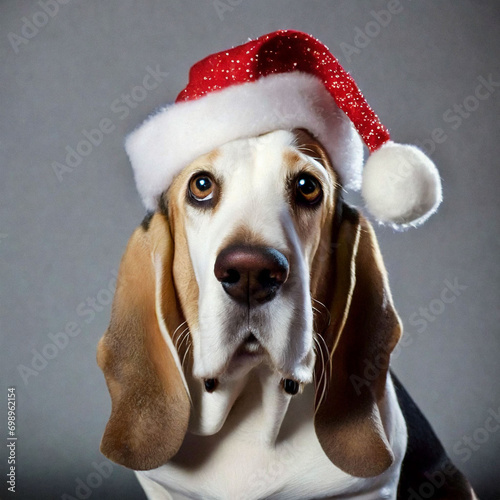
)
(252, 259)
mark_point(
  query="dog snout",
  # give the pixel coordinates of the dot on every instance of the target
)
(250, 274)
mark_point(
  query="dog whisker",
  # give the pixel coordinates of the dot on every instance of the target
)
(322, 383)
(176, 330)
(180, 337)
(319, 352)
(325, 308)
(185, 355)
(324, 356)
(184, 335)
(315, 309)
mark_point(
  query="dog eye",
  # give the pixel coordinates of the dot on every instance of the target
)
(201, 187)
(308, 190)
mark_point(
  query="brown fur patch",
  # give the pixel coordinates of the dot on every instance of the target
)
(364, 327)
(313, 228)
(150, 406)
(292, 160)
(185, 280)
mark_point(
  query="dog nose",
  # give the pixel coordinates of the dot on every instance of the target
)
(251, 274)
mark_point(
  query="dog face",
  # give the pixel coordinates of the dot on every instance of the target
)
(249, 241)
(250, 214)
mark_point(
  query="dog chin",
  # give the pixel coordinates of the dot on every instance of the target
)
(232, 359)
(232, 362)
(249, 354)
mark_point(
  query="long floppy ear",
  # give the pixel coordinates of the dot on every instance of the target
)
(150, 403)
(363, 329)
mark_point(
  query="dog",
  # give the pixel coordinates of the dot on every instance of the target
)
(246, 309)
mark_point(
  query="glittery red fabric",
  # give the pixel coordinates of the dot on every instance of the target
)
(286, 51)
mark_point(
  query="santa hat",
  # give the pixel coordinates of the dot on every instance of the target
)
(285, 80)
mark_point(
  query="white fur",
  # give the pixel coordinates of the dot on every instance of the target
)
(254, 176)
(401, 185)
(157, 259)
(170, 139)
(249, 439)
(244, 465)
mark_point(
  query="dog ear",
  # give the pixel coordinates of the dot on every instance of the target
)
(150, 403)
(363, 328)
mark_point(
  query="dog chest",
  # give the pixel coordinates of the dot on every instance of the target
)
(243, 464)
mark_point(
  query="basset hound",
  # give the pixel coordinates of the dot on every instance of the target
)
(246, 309)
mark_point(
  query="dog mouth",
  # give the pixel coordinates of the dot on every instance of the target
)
(247, 355)
(249, 352)
(258, 341)
(250, 345)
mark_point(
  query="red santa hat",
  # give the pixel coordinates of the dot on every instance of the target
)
(285, 80)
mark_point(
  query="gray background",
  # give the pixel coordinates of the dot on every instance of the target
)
(61, 240)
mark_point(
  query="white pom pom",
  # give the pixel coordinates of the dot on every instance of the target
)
(401, 185)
